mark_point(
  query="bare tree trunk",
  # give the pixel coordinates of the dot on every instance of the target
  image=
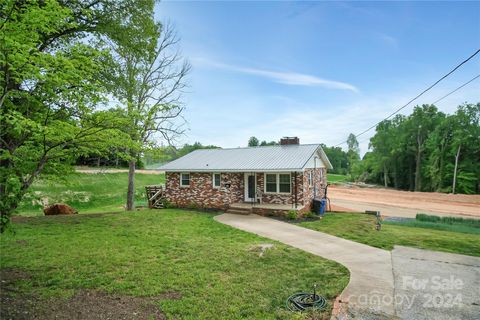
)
(455, 170)
(385, 175)
(131, 186)
(418, 165)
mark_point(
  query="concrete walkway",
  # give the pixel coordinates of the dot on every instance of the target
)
(370, 292)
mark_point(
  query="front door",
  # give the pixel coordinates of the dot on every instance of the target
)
(250, 187)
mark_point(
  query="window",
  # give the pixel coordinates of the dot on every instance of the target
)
(310, 179)
(216, 180)
(184, 179)
(277, 183)
(284, 183)
(271, 183)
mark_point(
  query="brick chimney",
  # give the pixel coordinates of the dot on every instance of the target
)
(289, 141)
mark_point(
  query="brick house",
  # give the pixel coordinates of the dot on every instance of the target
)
(263, 180)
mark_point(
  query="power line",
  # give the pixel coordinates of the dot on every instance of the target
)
(452, 92)
(418, 96)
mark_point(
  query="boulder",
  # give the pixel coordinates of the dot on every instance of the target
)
(59, 208)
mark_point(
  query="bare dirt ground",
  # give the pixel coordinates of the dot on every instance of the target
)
(84, 304)
(403, 203)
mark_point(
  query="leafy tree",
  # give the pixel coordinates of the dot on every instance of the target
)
(271, 143)
(427, 151)
(148, 80)
(49, 90)
(253, 142)
(352, 144)
(465, 146)
(338, 158)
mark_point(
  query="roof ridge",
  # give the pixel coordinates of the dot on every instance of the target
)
(258, 147)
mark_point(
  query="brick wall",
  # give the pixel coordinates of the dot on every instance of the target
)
(281, 198)
(319, 180)
(201, 193)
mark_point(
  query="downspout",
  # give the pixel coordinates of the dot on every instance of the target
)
(296, 196)
(314, 172)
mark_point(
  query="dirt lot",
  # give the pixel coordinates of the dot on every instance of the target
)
(84, 304)
(403, 203)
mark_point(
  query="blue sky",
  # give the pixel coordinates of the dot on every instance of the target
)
(317, 70)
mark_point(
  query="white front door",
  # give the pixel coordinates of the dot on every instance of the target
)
(250, 187)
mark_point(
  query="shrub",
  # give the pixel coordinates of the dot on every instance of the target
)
(167, 204)
(448, 220)
(193, 206)
(426, 217)
(310, 215)
(292, 215)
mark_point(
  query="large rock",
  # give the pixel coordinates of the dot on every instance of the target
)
(59, 208)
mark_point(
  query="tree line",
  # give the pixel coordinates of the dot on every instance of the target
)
(80, 79)
(427, 150)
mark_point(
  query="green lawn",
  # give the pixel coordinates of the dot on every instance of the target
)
(361, 228)
(336, 178)
(101, 192)
(146, 253)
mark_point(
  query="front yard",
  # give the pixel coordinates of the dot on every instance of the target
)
(182, 264)
(361, 228)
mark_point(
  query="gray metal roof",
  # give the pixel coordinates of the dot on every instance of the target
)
(270, 158)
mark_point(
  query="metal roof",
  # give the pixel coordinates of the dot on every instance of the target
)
(269, 158)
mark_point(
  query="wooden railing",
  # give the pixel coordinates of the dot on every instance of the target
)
(155, 196)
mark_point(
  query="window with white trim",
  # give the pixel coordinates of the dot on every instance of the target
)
(284, 183)
(277, 183)
(184, 179)
(216, 180)
(310, 178)
(270, 182)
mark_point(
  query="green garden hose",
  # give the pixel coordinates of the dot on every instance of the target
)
(302, 301)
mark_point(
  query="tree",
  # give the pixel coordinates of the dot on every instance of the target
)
(271, 143)
(352, 144)
(353, 152)
(338, 158)
(49, 89)
(465, 138)
(148, 80)
(253, 142)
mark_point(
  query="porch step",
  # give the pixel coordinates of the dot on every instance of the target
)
(237, 210)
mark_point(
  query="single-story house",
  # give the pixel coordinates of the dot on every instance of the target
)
(264, 180)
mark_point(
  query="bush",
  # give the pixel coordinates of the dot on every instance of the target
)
(193, 206)
(448, 220)
(168, 205)
(292, 215)
(310, 215)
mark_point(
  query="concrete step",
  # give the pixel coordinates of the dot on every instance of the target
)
(239, 211)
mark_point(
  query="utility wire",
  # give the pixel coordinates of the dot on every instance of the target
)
(419, 95)
(452, 92)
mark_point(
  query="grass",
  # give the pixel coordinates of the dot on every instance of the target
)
(101, 192)
(436, 226)
(337, 178)
(361, 228)
(448, 220)
(214, 267)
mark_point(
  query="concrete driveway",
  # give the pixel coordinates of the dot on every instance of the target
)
(435, 285)
(370, 268)
(406, 283)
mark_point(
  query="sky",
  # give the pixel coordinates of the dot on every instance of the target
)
(317, 70)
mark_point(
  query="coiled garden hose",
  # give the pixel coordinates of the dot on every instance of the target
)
(302, 301)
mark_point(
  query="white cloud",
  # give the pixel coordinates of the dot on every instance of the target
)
(289, 78)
